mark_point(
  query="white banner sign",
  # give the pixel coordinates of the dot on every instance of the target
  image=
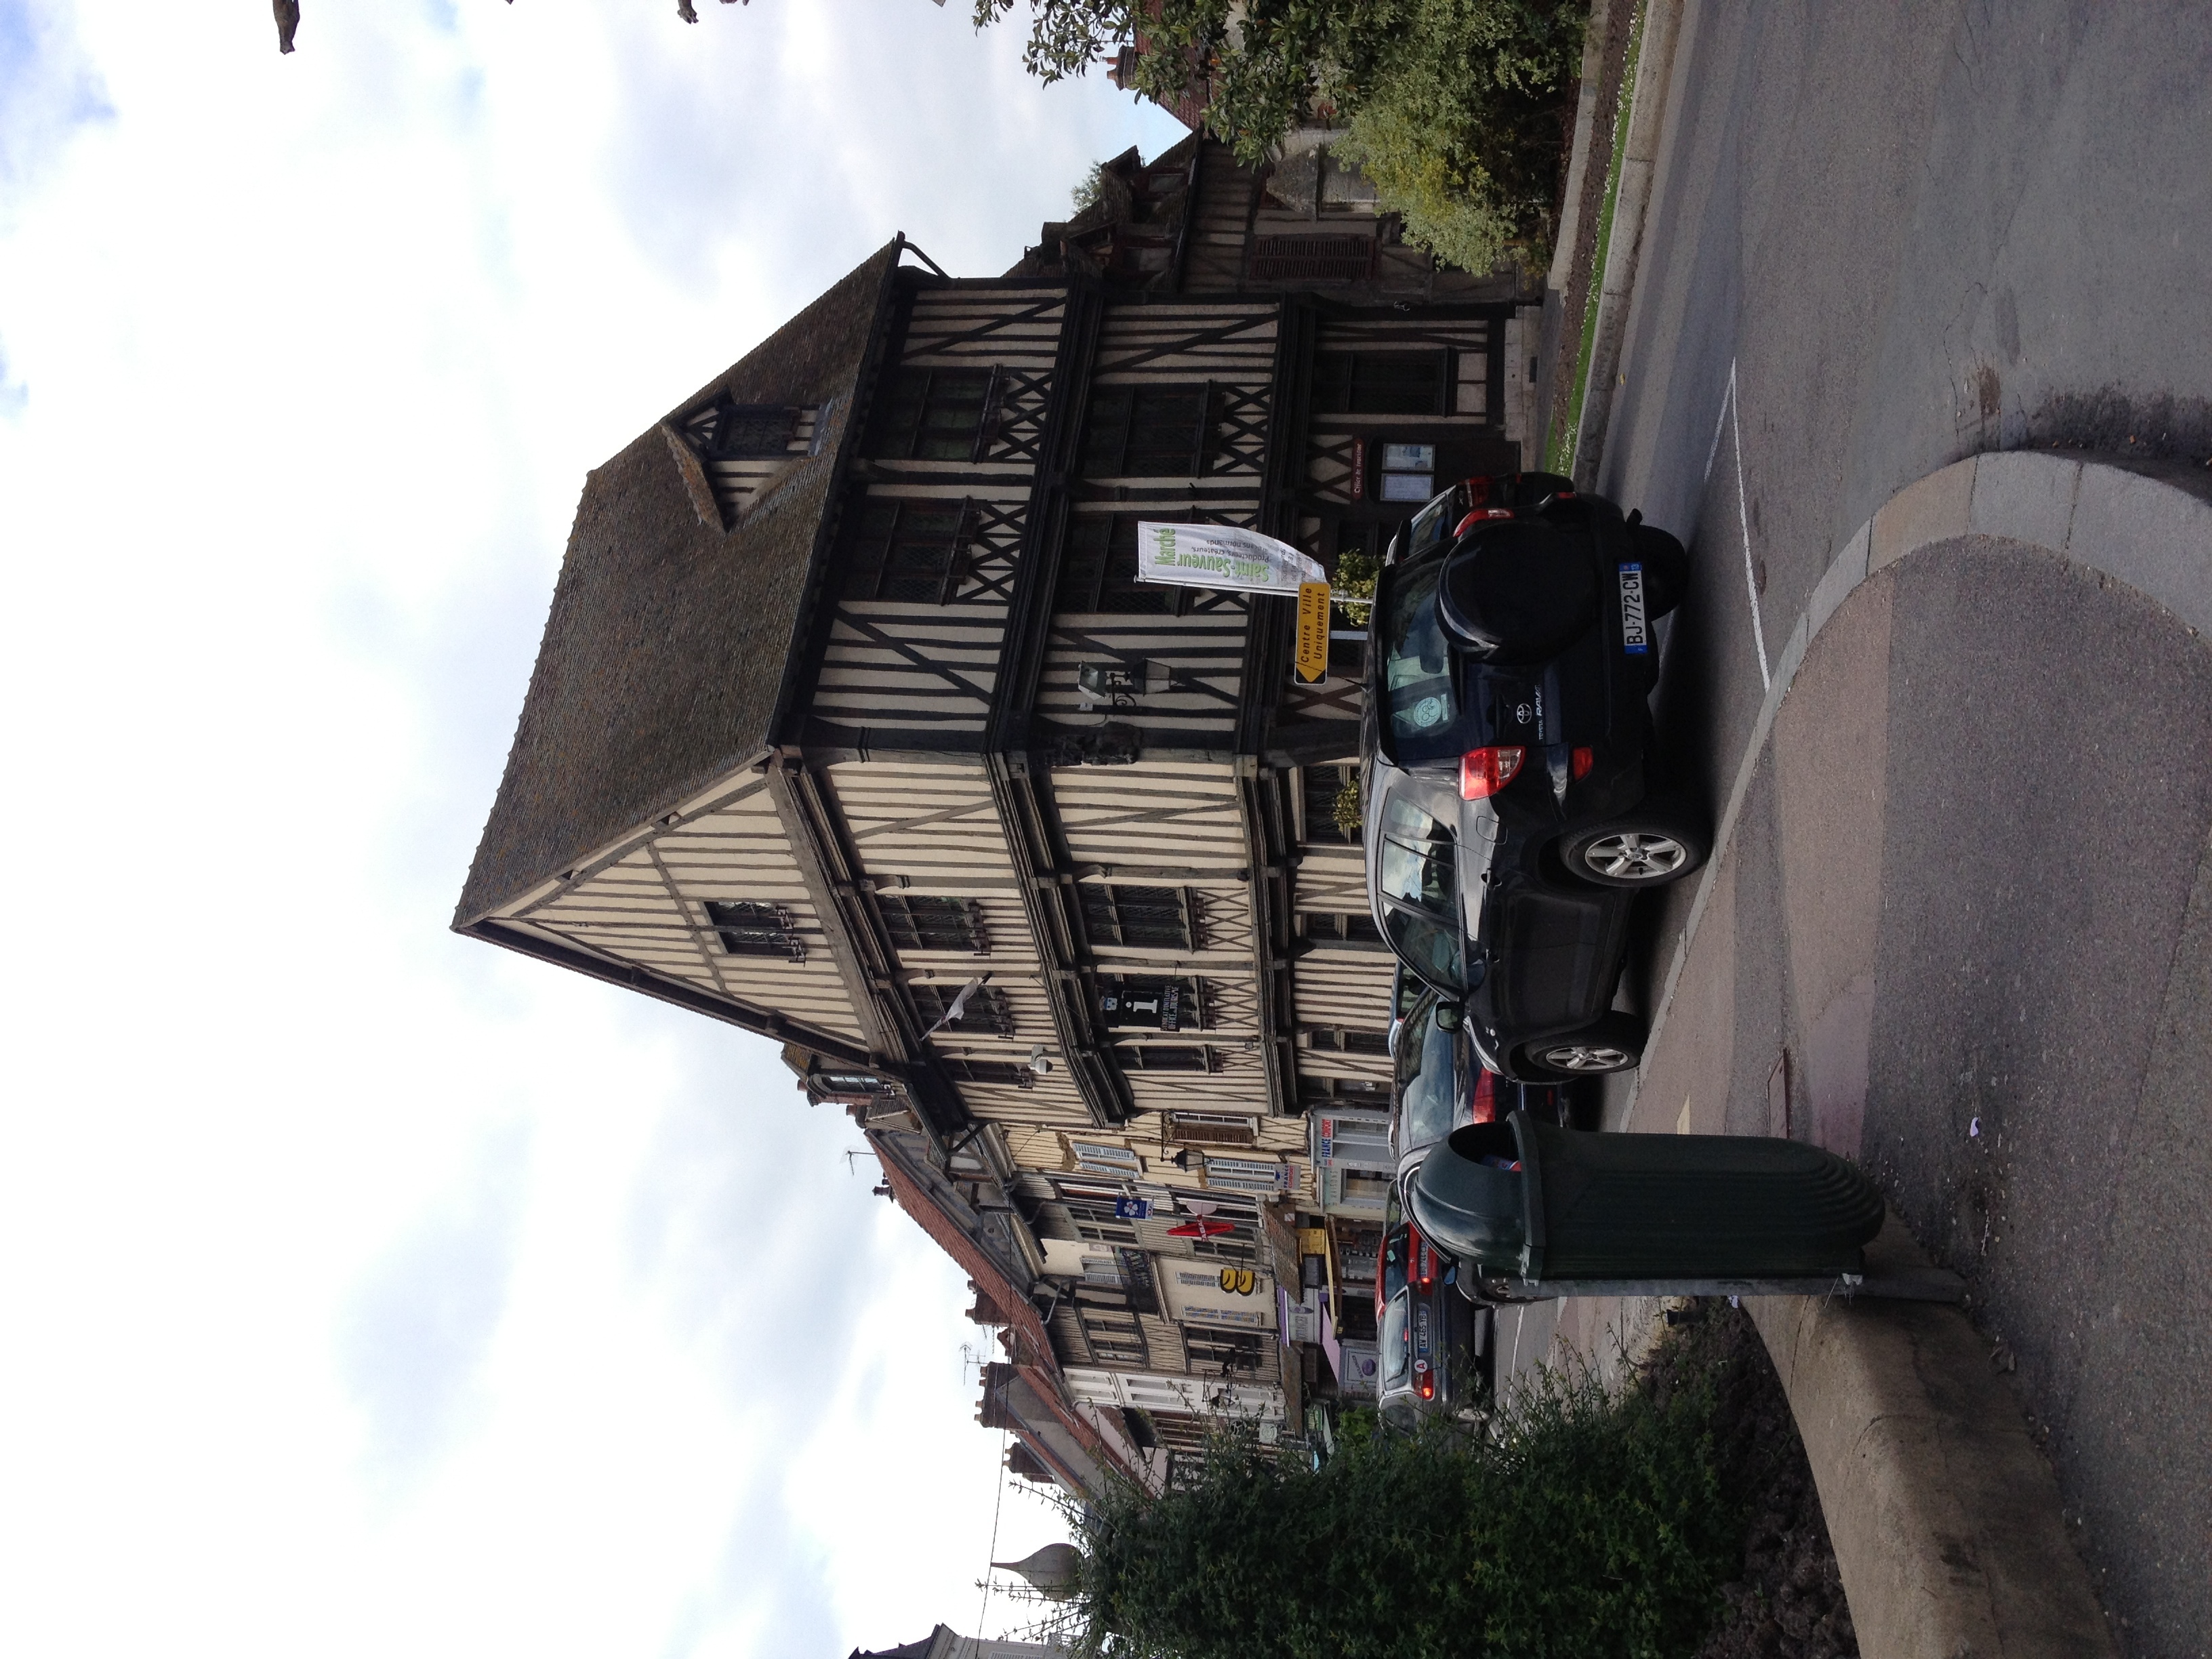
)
(1219, 556)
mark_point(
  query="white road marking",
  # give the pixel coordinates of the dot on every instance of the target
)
(1720, 422)
(1727, 419)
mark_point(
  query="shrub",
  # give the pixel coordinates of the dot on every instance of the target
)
(1581, 1522)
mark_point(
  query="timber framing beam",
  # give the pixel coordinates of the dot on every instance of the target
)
(845, 902)
(731, 1011)
(1267, 665)
(1047, 881)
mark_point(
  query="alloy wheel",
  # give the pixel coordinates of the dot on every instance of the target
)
(1636, 855)
(1580, 1058)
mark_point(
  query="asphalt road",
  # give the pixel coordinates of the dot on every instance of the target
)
(1974, 865)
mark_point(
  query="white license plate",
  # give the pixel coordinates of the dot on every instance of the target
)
(1635, 636)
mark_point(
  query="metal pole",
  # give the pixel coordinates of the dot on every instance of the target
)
(1912, 1284)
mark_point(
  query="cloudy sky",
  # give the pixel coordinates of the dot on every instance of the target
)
(367, 1290)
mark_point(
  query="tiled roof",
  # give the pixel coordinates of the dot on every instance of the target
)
(667, 647)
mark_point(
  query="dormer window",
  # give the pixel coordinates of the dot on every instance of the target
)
(742, 446)
(748, 431)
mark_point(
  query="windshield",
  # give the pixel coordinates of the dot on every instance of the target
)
(1432, 523)
(1416, 659)
(1397, 1343)
(1430, 951)
(1394, 1246)
(1427, 1084)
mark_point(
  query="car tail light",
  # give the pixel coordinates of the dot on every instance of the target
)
(1486, 1098)
(1582, 760)
(1428, 1381)
(1477, 516)
(1420, 1260)
(1484, 772)
(1478, 491)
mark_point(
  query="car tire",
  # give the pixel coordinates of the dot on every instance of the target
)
(1666, 569)
(1659, 841)
(1498, 1293)
(1612, 1043)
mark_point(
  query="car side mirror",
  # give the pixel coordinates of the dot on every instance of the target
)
(1448, 1017)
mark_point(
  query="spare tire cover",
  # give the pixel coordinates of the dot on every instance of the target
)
(1517, 590)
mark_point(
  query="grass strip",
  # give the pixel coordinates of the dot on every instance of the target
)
(1559, 446)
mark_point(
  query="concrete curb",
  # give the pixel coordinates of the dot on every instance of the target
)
(1552, 328)
(1947, 1521)
(1647, 123)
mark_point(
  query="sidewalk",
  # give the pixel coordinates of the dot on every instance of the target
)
(1854, 973)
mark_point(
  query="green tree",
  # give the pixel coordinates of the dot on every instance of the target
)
(1456, 109)
(1580, 1523)
(1464, 123)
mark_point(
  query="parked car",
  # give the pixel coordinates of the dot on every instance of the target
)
(1405, 987)
(1436, 1346)
(1439, 1084)
(1513, 806)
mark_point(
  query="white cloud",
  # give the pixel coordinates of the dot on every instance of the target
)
(368, 1289)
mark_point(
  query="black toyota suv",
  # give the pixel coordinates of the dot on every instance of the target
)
(1512, 815)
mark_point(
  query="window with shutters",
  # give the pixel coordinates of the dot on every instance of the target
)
(1146, 432)
(1224, 1353)
(1164, 1057)
(1104, 1157)
(1094, 1220)
(1240, 1242)
(1098, 571)
(986, 1012)
(1132, 1001)
(735, 431)
(930, 414)
(749, 927)
(1339, 927)
(1114, 1338)
(1380, 382)
(1247, 1175)
(1091, 1208)
(1010, 1073)
(911, 922)
(1137, 1280)
(1159, 917)
(1211, 1129)
(911, 550)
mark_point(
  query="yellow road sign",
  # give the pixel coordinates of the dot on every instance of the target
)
(1313, 630)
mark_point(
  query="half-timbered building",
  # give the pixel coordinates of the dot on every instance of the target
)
(852, 727)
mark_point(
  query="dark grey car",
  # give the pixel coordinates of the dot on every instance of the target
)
(1434, 1343)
